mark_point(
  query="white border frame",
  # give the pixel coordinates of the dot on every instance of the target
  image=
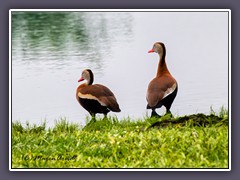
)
(118, 10)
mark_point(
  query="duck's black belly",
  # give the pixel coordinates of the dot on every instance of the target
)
(167, 101)
(93, 106)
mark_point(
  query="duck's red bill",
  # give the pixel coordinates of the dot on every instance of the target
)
(81, 79)
(150, 51)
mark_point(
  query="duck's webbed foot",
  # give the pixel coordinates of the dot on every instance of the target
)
(93, 117)
(169, 113)
(105, 116)
(155, 114)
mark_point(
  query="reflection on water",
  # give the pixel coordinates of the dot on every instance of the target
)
(50, 50)
(67, 37)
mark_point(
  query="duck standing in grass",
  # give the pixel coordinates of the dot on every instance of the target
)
(162, 90)
(95, 98)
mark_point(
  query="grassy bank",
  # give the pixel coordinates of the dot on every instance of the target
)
(196, 141)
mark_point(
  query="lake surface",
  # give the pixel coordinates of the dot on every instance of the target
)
(50, 50)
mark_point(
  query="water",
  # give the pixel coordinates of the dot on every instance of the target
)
(50, 50)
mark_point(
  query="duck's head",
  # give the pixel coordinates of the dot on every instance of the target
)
(158, 47)
(87, 75)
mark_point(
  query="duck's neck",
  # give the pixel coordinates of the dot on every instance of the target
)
(162, 66)
(90, 79)
(89, 82)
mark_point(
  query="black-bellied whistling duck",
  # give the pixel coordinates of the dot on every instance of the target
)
(95, 98)
(162, 90)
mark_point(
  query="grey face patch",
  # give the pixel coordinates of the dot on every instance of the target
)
(88, 75)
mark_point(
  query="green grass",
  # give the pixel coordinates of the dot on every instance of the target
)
(111, 143)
